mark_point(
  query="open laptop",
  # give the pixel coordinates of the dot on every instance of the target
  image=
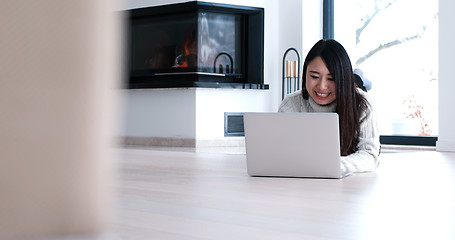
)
(293, 145)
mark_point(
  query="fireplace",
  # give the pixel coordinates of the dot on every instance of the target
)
(196, 44)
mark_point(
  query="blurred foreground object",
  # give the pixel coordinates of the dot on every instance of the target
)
(59, 68)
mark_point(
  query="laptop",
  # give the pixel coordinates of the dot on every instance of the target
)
(293, 145)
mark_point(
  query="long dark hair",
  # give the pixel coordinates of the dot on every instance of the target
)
(350, 104)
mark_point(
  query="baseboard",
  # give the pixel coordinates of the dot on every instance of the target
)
(407, 147)
(223, 142)
(182, 142)
(157, 142)
(445, 146)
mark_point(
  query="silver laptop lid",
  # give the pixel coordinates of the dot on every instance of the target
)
(292, 144)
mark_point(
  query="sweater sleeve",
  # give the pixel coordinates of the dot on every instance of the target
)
(366, 157)
(290, 103)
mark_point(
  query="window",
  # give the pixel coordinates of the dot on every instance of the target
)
(395, 44)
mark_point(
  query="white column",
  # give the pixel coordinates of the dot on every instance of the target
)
(446, 136)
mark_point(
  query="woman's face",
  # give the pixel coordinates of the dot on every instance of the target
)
(319, 82)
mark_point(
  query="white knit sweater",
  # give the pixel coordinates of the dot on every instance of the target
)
(366, 157)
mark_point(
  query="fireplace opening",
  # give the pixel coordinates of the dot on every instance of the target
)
(196, 44)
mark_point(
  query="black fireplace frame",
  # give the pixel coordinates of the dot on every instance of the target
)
(252, 50)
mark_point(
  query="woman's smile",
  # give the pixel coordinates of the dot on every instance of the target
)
(322, 95)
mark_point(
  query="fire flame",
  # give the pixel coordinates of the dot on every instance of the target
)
(184, 64)
(186, 51)
(186, 47)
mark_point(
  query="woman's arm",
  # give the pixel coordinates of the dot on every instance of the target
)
(291, 103)
(366, 157)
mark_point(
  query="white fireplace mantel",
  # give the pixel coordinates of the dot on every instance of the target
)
(186, 117)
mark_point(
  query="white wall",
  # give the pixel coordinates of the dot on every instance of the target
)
(446, 138)
(163, 113)
(311, 25)
(131, 4)
(213, 103)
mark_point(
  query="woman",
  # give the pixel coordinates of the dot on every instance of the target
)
(328, 86)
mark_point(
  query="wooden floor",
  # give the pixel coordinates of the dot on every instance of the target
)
(194, 195)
